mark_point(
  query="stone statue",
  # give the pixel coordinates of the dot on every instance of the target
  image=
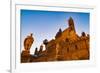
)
(36, 51)
(28, 42)
(25, 55)
(41, 49)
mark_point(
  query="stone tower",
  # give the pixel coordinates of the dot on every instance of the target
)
(71, 24)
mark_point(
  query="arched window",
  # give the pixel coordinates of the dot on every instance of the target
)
(67, 49)
(67, 40)
(76, 48)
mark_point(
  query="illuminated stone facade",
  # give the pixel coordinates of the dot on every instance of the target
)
(67, 45)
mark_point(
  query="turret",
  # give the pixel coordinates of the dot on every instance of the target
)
(71, 24)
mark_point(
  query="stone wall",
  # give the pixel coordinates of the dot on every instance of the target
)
(75, 50)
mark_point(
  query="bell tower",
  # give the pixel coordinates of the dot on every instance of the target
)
(71, 24)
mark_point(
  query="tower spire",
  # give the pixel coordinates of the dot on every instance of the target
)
(71, 23)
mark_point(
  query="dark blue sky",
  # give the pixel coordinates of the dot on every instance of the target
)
(45, 24)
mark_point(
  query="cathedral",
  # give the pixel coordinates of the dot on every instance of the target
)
(67, 45)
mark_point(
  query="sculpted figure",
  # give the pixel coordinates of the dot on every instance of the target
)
(28, 42)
